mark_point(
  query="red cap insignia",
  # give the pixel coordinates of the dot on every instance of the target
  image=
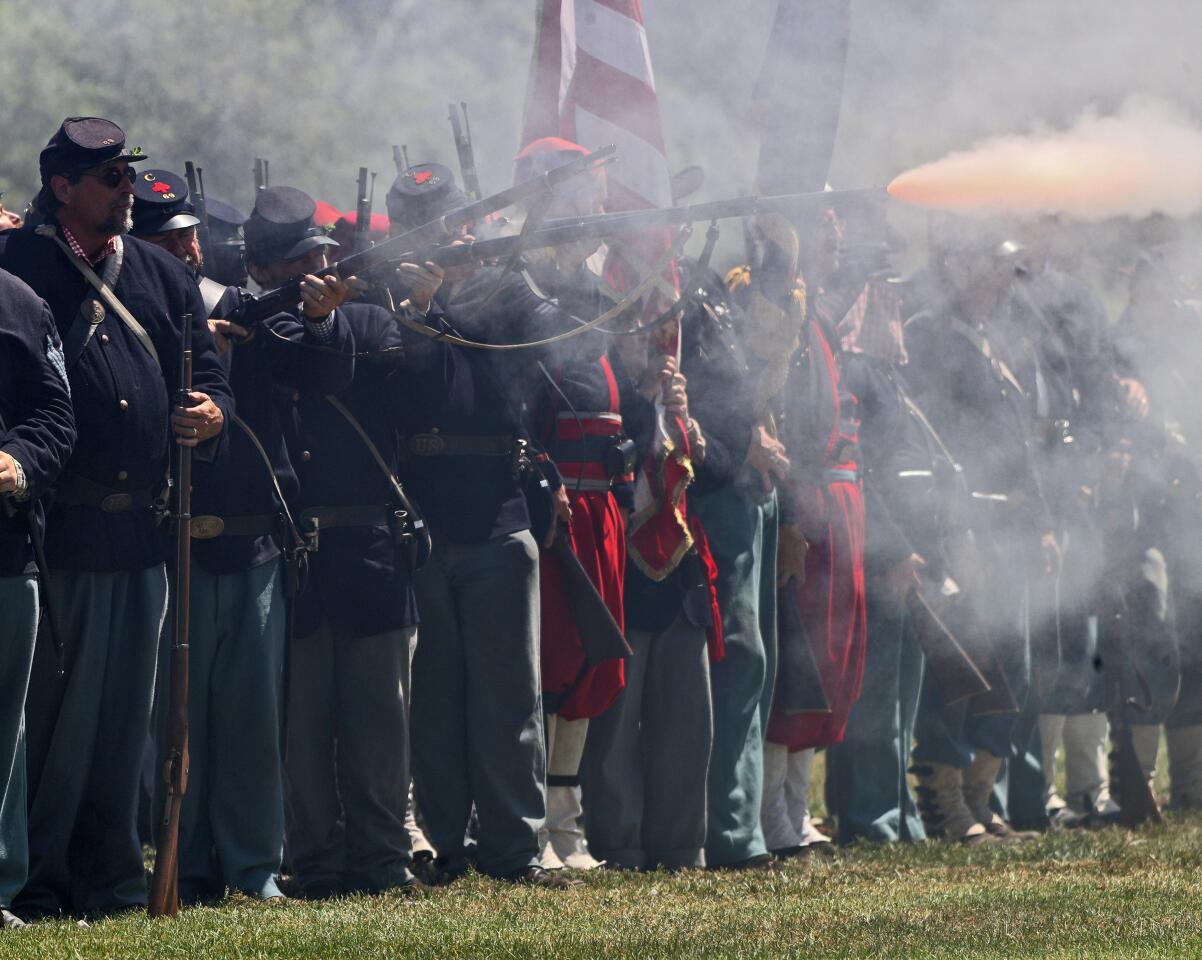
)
(161, 187)
(423, 176)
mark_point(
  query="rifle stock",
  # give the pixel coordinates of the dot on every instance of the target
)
(600, 634)
(1137, 803)
(164, 886)
(956, 675)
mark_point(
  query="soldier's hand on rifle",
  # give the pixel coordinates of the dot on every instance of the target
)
(768, 457)
(561, 511)
(903, 577)
(791, 555)
(8, 473)
(201, 420)
(1136, 397)
(321, 296)
(423, 282)
(224, 333)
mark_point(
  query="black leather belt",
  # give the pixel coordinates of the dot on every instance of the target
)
(585, 450)
(328, 517)
(73, 490)
(454, 445)
(208, 527)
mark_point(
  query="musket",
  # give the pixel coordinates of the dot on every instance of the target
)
(1137, 803)
(196, 188)
(363, 205)
(164, 885)
(600, 634)
(800, 688)
(422, 241)
(957, 677)
(606, 226)
(462, 133)
(400, 157)
(260, 174)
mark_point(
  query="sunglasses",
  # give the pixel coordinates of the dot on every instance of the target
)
(113, 176)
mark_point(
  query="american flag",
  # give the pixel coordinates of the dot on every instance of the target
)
(591, 82)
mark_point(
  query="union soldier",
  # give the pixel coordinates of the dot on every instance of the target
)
(164, 216)
(963, 358)
(232, 822)
(37, 431)
(867, 786)
(347, 767)
(823, 617)
(225, 260)
(117, 303)
(744, 352)
(478, 725)
(578, 420)
(648, 755)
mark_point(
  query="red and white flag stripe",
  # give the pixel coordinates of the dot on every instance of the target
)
(591, 82)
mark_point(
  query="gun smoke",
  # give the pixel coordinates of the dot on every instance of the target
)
(1145, 159)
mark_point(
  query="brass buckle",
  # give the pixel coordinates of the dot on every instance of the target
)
(426, 444)
(207, 527)
(117, 503)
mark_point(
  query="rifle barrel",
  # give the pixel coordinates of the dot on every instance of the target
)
(424, 239)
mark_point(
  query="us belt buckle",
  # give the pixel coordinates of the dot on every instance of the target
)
(117, 503)
(427, 444)
(207, 527)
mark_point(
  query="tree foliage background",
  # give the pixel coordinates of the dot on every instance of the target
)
(320, 88)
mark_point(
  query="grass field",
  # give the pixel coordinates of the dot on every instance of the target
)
(1107, 893)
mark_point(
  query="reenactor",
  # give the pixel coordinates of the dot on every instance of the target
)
(824, 628)
(963, 357)
(355, 621)
(37, 431)
(118, 304)
(249, 558)
(577, 419)
(478, 716)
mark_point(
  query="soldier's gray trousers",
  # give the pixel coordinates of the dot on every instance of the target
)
(742, 531)
(477, 701)
(232, 822)
(86, 735)
(347, 772)
(18, 630)
(867, 785)
(648, 755)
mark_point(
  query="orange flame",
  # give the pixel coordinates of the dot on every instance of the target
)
(1146, 159)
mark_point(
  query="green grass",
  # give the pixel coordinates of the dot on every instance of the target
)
(1108, 893)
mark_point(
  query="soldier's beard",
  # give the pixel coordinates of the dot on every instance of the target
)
(119, 221)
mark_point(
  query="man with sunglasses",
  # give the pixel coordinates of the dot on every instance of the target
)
(117, 303)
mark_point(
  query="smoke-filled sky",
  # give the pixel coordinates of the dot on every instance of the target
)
(320, 88)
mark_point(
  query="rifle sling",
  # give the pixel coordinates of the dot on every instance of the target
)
(398, 491)
(275, 483)
(106, 294)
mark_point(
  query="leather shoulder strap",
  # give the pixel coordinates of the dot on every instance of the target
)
(106, 293)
